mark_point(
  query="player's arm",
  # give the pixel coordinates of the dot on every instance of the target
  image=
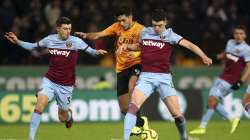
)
(111, 30)
(189, 45)
(94, 52)
(91, 36)
(128, 47)
(134, 47)
(246, 73)
(13, 39)
(221, 56)
(244, 77)
(81, 45)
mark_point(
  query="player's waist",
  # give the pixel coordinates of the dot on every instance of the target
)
(165, 76)
(61, 78)
(123, 66)
(230, 78)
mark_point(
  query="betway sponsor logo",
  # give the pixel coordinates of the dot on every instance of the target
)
(153, 43)
(59, 52)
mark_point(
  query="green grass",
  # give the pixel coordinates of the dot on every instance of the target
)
(217, 130)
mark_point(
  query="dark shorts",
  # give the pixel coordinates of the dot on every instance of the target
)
(124, 76)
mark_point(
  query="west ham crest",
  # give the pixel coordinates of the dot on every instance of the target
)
(68, 44)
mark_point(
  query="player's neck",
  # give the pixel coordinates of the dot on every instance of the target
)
(61, 38)
(159, 33)
(239, 42)
(131, 25)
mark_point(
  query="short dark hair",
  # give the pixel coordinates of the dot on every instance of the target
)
(241, 27)
(124, 10)
(158, 15)
(63, 20)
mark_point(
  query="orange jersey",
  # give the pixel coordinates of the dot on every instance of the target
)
(131, 36)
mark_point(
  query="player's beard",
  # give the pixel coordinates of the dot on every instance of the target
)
(65, 37)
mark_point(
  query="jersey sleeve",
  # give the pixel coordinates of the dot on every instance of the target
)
(173, 37)
(80, 44)
(31, 46)
(228, 46)
(43, 42)
(246, 54)
(111, 30)
(142, 34)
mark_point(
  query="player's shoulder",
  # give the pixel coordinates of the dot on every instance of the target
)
(245, 49)
(245, 45)
(231, 41)
(52, 36)
(115, 25)
(138, 25)
(75, 39)
(147, 30)
(169, 31)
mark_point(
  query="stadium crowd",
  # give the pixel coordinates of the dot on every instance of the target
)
(208, 23)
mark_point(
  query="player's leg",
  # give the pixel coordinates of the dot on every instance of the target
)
(233, 120)
(66, 117)
(137, 100)
(246, 100)
(225, 89)
(63, 97)
(219, 89)
(126, 81)
(42, 102)
(211, 105)
(169, 96)
(122, 91)
(172, 104)
(43, 97)
(141, 121)
(140, 93)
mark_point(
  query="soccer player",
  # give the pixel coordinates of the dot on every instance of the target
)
(246, 100)
(237, 55)
(127, 31)
(156, 44)
(58, 82)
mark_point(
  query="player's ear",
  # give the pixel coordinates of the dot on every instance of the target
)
(130, 17)
(57, 28)
(165, 22)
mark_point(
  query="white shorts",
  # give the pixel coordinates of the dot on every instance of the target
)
(220, 89)
(62, 94)
(150, 82)
(248, 89)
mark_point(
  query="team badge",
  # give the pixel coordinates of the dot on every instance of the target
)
(133, 35)
(238, 51)
(68, 44)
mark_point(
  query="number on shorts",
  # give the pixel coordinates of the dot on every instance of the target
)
(68, 98)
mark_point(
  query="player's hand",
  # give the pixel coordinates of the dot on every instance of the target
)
(236, 85)
(101, 52)
(206, 60)
(81, 35)
(221, 56)
(123, 47)
(11, 37)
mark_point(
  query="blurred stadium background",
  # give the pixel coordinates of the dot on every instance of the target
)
(208, 23)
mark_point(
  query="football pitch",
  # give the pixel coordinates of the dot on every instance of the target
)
(217, 130)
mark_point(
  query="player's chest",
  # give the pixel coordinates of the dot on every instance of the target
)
(153, 44)
(128, 37)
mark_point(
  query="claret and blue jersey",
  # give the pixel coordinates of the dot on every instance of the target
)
(237, 55)
(156, 49)
(63, 56)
